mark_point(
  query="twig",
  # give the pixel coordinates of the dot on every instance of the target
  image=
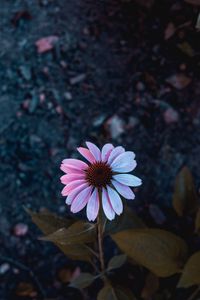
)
(26, 269)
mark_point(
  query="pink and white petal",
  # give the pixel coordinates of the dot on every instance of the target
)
(86, 153)
(65, 179)
(105, 152)
(81, 200)
(114, 153)
(115, 200)
(128, 179)
(72, 185)
(107, 207)
(124, 161)
(71, 196)
(70, 169)
(75, 163)
(123, 190)
(94, 150)
(130, 166)
(93, 206)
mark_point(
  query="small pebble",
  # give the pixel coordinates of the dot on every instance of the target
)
(4, 268)
(20, 229)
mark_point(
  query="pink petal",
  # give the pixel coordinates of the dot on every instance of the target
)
(93, 206)
(124, 162)
(94, 150)
(72, 185)
(105, 152)
(86, 153)
(128, 179)
(123, 190)
(70, 170)
(115, 200)
(75, 163)
(107, 207)
(81, 200)
(71, 196)
(115, 152)
(65, 179)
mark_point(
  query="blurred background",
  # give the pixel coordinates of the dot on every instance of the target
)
(125, 72)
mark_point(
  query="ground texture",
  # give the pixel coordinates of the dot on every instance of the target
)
(118, 72)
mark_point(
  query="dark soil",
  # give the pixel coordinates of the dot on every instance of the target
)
(111, 77)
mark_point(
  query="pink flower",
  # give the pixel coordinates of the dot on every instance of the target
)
(103, 178)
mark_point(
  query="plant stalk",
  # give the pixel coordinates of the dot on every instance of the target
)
(100, 242)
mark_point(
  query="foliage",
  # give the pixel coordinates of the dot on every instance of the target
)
(161, 252)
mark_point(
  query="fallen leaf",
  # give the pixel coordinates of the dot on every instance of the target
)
(186, 48)
(25, 289)
(191, 272)
(179, 81)
(159, 251)
(169, 30)
(46, 43)
(77, 79)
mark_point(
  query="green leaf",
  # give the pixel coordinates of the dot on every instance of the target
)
(83, 281)
(116, 261)
(158, 250)
(127, 220)
(191, 272)
(109, 292)
(185, 199)
(49, 223)
(79, 232)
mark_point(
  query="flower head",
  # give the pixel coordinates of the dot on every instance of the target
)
(102, 179)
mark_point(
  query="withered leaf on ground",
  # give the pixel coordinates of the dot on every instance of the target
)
(191, 272)
(179, 81)
(116, 261)
(185, 200)
(83, 281)
(160, 251)
(109, 292)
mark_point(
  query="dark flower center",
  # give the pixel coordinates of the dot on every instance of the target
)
(99, 174)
